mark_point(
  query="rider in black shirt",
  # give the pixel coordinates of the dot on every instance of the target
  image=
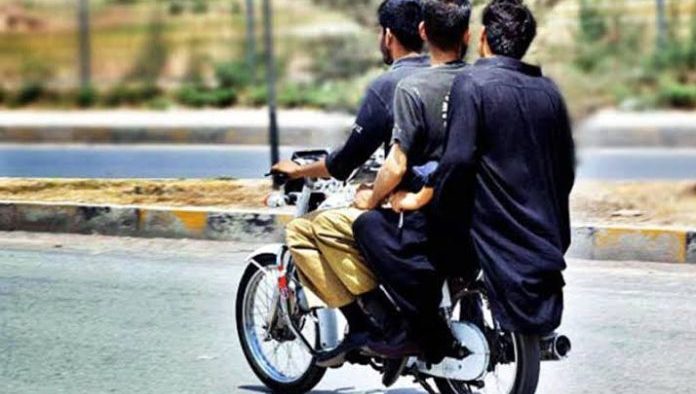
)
(502, 187)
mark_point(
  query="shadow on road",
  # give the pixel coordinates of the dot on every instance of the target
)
(344, 390)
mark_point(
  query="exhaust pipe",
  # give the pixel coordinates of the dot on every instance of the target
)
(554, 347)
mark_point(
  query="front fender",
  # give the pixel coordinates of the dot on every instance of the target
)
(275, 250)
(327, 318)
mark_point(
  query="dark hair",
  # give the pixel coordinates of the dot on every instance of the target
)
(510, 27)
(446, 21)
(402, 17)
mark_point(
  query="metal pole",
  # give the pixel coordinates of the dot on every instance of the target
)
(661, 25)
(271, 80)
(85, 55)
(250, 35)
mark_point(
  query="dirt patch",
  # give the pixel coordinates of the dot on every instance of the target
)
(634, 203)
(199, 193)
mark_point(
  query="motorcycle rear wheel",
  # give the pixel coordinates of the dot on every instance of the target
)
(275, 378)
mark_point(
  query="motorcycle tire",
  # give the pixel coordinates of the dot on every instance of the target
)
(304, 383)
(527, 369)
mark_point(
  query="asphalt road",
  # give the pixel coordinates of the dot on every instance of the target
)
(202, 161)
(92, 314)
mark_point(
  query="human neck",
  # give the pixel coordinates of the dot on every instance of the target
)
(439, 57)
(400, 53)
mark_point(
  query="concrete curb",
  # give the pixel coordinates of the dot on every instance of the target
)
(617, 129)
(232, 126)
(592, 242)
(233, 225)
(666, 245)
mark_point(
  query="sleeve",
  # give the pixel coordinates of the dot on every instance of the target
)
(371, 129)
(566, 163)
(408, 119)
(462, 131)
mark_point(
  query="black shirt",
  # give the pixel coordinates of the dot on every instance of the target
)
(505, 178)
(375, 121)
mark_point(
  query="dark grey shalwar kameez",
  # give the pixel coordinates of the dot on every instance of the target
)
(396, 248)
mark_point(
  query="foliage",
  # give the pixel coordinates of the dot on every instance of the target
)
(86, 97)
(199, 6)
(159, 103)
(28, 93)
(130, 94)
(176, 7)
(198, 97)
(234, 74)
(678, 95)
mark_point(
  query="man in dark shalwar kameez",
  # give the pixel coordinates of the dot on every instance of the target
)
(395, 246)
(503, 184)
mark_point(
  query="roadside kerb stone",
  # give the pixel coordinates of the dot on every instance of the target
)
(229, 126)
(593, 242)
(617, 129)
(691, 247)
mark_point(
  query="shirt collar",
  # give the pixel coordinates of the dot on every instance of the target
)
(410, 61)
(510, 64)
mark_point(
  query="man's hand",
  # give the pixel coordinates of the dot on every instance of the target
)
(404, 201)
(289, 168)
(363, 197)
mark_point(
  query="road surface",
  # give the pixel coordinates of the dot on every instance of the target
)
(94, 314)
(191, 161)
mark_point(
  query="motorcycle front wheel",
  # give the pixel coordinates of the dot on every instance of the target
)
(278, 359)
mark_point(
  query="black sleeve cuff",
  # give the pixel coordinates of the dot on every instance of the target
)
(333, 164)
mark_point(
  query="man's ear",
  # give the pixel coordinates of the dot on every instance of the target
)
(467, 37)
(421, 31)
(388, 37)
(483, 43)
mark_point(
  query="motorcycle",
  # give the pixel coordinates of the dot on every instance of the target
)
(280, 334)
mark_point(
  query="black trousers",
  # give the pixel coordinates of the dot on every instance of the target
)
(399, 258)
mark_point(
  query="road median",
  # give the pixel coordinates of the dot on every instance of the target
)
(595, 242)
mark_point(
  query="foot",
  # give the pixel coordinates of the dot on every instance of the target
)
(395, 347)
(393, 368)
(334, 358)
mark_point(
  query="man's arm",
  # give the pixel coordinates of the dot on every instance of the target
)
(293, 170)
(408, 126)
(388, 178)
(370, 131)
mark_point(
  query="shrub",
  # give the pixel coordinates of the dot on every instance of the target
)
(198, 97)
(176, 8)
(234, 75)
(86, 97)
(678, 95)
(199, 7)
(28, 93)
(257, 95)
(159, 103)
(131, 94)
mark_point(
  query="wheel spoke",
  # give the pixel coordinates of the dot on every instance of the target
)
(284, 361)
